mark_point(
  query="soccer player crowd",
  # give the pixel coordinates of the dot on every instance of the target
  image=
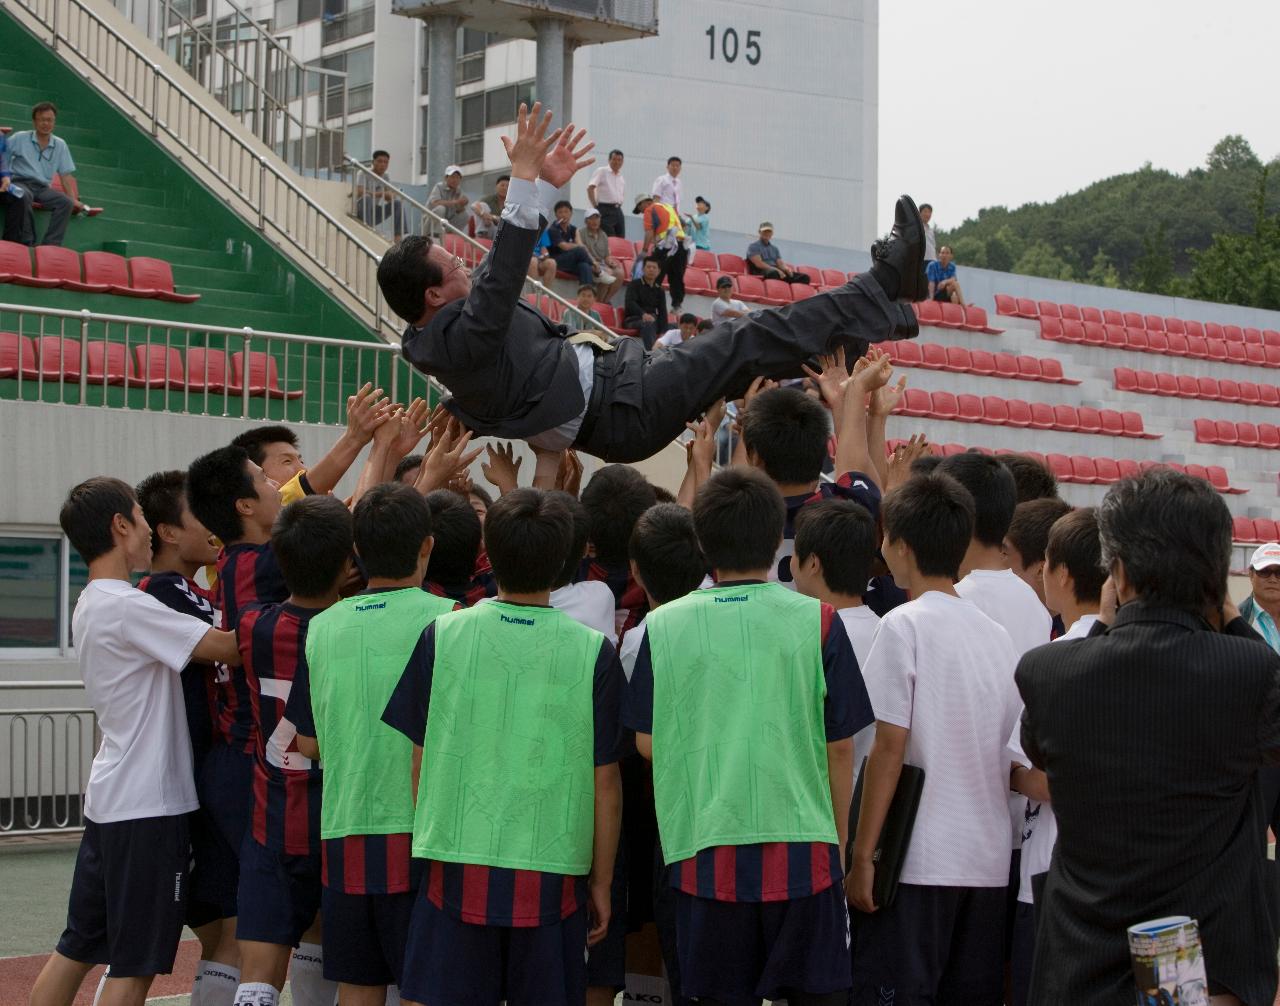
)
(431, 744)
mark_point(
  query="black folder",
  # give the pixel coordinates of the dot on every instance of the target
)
(895, 836)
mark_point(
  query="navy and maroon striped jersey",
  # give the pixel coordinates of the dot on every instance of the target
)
(628, 595)
(247, 575)
(467, 594)
(494, 895)
(286, 785)
(771, 871)
(370, 864)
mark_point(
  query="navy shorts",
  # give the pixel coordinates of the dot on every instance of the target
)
(738, 951)
(365, 936)
(129, 896)
(215, 873)
(607, 960)
(225, 788)
(279, 894)
(943, 946)
(449, 962)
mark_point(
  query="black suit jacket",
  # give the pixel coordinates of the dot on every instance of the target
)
(1152, 735)
(509, 368)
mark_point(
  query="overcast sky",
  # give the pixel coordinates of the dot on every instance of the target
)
(1015, 101)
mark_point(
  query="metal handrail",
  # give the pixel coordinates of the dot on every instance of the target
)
(248, 180)
(48, 752)
(467, 248)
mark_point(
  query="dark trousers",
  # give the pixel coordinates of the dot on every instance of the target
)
(58, 204)
(575, 260)
(771, 273)
(647, 331)
(673, 265)
(612, 222)
(372, 210)
(640, 403)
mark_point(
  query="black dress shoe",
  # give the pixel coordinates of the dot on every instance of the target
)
(903, 252)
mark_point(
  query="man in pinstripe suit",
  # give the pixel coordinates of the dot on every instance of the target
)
(1155, 733)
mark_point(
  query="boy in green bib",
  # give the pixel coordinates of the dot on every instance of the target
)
(356, 653)
(512, 710)
(746, 696)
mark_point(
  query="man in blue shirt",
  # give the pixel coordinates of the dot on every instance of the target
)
(941, 274)
(10, 204)
(764, 259)
(36, 156)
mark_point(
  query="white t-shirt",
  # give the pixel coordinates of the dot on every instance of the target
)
(1040, 825)
(611, 187)
(630, 648)
(861, 624)
(719, 307)
(943, 670)
(1005, 598)
(672, 337)
(131, 650)
(591, 603)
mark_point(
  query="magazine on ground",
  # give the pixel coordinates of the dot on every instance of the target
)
(1168, 962)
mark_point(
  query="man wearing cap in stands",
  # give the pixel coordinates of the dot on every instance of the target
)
(764, 259)
(513, 373)
(448, 200)
(1261, 609)
(664, 240)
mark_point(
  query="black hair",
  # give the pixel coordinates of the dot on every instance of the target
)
(706, 325)
(254, 441)
(699, 199)
(1031, 479)
(933, 516)
(615, 150)
(724, 281)
(527, 535)
(163, 497)
(503, 178)
(577, 543)
(615, 497)
(458, 534)
(379, 153)
(654, 259)
(674, 158)
(663, 495)
(1029, 530)
(89, 511)
(407, 464)
(43, 106)
(924, 206)
(312, 542)
(1172, 532)
(215, 481)
(482, 494)
(688, 318)
(843, 535)
(586, 286)
(390, 523)
(926, 464)
(406, 273)
(665, 549)
(994, 495)
(562, 202)
(739, 516)
(1074, 542)
(788, 431)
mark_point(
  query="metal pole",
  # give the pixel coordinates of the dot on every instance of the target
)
(84, 356)
(442, 62)
(262, 193)
(155, 98)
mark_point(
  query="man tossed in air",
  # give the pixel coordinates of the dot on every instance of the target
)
(514, 373)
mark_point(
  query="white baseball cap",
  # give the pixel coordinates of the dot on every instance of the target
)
(1265, 555)
(592, 212)
(452, 169)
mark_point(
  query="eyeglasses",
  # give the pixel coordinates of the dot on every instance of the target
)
(1267, 572)
(457, 264)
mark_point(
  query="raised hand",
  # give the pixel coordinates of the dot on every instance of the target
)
(445, 458)
(569, 476)
(367, 409)
(758, 385)
(901, 459)
(567, 157)
(830, 379)
(502, 468)
(411, 429)
(529, 149)
(885, 400)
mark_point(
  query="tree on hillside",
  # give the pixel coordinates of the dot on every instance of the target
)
(1243, 268)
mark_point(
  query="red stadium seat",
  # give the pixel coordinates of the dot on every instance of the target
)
(263, 375)
(907, 352)
(1007, 366)
(1153, 323)
(702, 259)
(933, 356)
(1246, 435)
(1035, 456)
(1128, 469)
(1268, 435)
(833, 277)
(1132, 319)
(1197, 348)
(1042, 417)
(1051, 329)
(1107, 470)
(1006, 305)
(1158, 384)
(1265, 528)
(751, 288)
(1217, 476)
(1268, 394)
(1217, 350)
(802, 291)
(952, 315)
(1070, 311)
(17, 356)
(1019, 412)
(1060, 465)
(1225, 431)
(1193, 328)
(929, 312)
(1091, 314)
(1208, 387)
(1114, 336)
(975, 319)
(61, 267)
(1175, 345)
(153, 277)
(951, 450)
(1132, 422)
(1048, 309)
(944, 405)
(1027, 308)
(1126, 379)
(58, 358)
(995, 410)
(982, 363)
(1112, 422)
(1253, 336)
(1051, 371)
(1197, 471)
(1228, 390)
(1136, 339)
(696, 281)
(1065, 418)
(159, 366)
(1206, 431)
(1073, 331)
(208, 370)
(1028, 368)
(734, 265)
(1212, 330)
(1110, 316)
(110, 363)
(969, 408)
(1262, 356)
(1090, 419)
(1083, 470)
(1233, 333)
(1175, 326)
(1094, 333)
(622, 248)
(1188, 387)
(1270, 337)
(916, 402)
(1242, 530)
(777, 292)
(958, 361)
(105, 272)
(15, 266)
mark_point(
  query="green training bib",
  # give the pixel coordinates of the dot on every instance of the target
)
(508, 767)
(739, 741)
(356, 653)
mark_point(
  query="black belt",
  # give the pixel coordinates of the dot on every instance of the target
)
(602, 375)
(612, 206)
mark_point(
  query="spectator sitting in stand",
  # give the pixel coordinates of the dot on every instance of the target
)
(764, 259)
(646, 304)
(375, 202)
(448, 200)
(607, 190)
(943, 284)
(542, 266)
(700, 224)
(726, 306)
(565, 248)
(930, 235)
(36, 157)
(10, 202)
(488, 211)
(687, 330)
(585, 315)
(610, 273)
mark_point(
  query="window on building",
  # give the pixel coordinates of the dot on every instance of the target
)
(359, 79)
(360, 140)
(471, 49)
(41, 577)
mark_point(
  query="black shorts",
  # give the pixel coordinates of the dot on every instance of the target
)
(215, 873)
(743, 950)
(607, 960)
(279, 894)
(449, 962)
(365, 936)
(943, 946)
(1024, 952)
(225, 787)
(942, 295)
(129, 896)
